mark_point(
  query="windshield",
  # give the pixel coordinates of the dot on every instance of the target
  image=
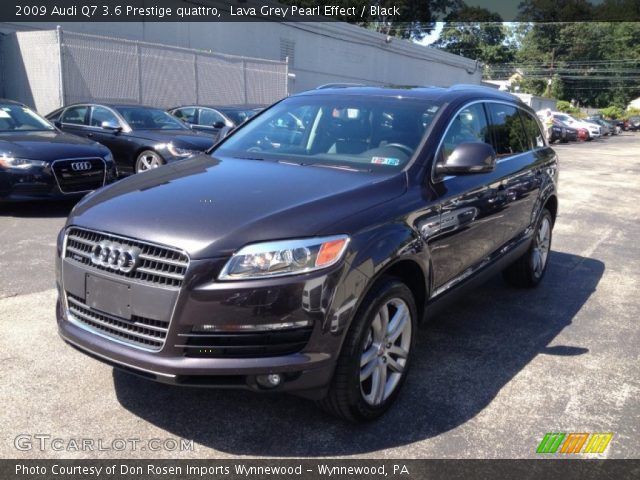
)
(344, 131)
(239, 116)
(14, 118)
(142, 118)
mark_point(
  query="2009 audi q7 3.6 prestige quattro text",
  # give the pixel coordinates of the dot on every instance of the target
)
(302, 252)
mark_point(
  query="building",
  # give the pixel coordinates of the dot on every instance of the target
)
(317, 52)
(537, 103)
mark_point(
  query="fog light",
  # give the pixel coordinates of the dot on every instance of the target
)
(269, 381)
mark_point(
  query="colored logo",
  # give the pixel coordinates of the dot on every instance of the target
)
(574, 442)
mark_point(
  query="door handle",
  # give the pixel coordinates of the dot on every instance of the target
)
(90, 135)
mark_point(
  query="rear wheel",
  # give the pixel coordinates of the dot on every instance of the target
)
(530, 268)
(374, 360)
(148, 160)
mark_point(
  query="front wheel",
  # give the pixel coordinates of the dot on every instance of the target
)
(374, 360)
(148, 160)
(529, 269)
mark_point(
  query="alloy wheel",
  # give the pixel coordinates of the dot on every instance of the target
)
(541, 246)
(148, 161)
(385, 352)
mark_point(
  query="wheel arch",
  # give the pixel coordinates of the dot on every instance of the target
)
(551, 204)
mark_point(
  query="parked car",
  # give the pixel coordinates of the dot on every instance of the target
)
(557, 132)
(140, 138)
(211, 119)
(583, 134)
(305, 264)
(560, 132)
(571, 135)
(38, 161)
(608, 128)
(593, 130)
(622, 124)
(634, 123)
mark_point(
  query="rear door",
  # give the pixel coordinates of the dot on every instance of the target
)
(518, 143)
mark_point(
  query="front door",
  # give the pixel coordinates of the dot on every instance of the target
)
(469, 227)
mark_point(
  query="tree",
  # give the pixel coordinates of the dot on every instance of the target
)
(612, 112)
(596, 63)
(476, 33)
(555, 88)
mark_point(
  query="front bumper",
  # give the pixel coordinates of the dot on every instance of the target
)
(322, 300)
(40, 183)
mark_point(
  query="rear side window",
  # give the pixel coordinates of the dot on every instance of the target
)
(532, 129)
(508, 130)
(75, 115)
(208, 117)
(186, 114)
(101, 114)
(469, 126)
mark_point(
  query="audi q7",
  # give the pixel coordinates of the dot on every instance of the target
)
(302, 252)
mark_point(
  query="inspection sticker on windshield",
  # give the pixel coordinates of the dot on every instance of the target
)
(385, 161)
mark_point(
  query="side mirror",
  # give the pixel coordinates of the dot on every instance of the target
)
(57, 124)
(111, 125)
(218, 125)
(468, 158)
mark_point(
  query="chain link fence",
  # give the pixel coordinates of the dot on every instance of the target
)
(48, 69)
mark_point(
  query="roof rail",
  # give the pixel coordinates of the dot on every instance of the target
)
(340, 85)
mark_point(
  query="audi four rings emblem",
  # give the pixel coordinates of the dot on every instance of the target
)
(80, 166)
(115, 256)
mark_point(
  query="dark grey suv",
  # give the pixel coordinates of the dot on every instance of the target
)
(301, 254)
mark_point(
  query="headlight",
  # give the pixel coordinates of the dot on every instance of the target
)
(21, 163)
(108, 157)
(179, 152)
(286, 257)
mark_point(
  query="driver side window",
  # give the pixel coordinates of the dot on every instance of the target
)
(469, 126)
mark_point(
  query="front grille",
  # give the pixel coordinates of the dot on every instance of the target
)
(75, 181)
(139, 331)
(245, 344)
(158, 265)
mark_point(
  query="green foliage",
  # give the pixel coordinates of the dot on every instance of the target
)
(613, 112)
(555, 89)
(597, 62)
(476, 33)
(564, 106)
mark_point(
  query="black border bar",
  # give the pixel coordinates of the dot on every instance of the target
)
(318, 469)
(352, 11)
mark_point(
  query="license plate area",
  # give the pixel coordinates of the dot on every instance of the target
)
(108, 296)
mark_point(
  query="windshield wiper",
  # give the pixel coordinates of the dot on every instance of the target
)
(247, 158)
(337, 167)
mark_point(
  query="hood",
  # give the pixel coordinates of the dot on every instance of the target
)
(49, 146)
(180, 138)
(210, 207)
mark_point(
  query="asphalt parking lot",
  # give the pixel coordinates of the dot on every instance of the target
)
(490, 376)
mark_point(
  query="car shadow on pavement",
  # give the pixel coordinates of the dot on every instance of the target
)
(38, 209)
(462, 359)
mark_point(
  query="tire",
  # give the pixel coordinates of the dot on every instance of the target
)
(148, 160)
(528, 270)
(358, 400)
